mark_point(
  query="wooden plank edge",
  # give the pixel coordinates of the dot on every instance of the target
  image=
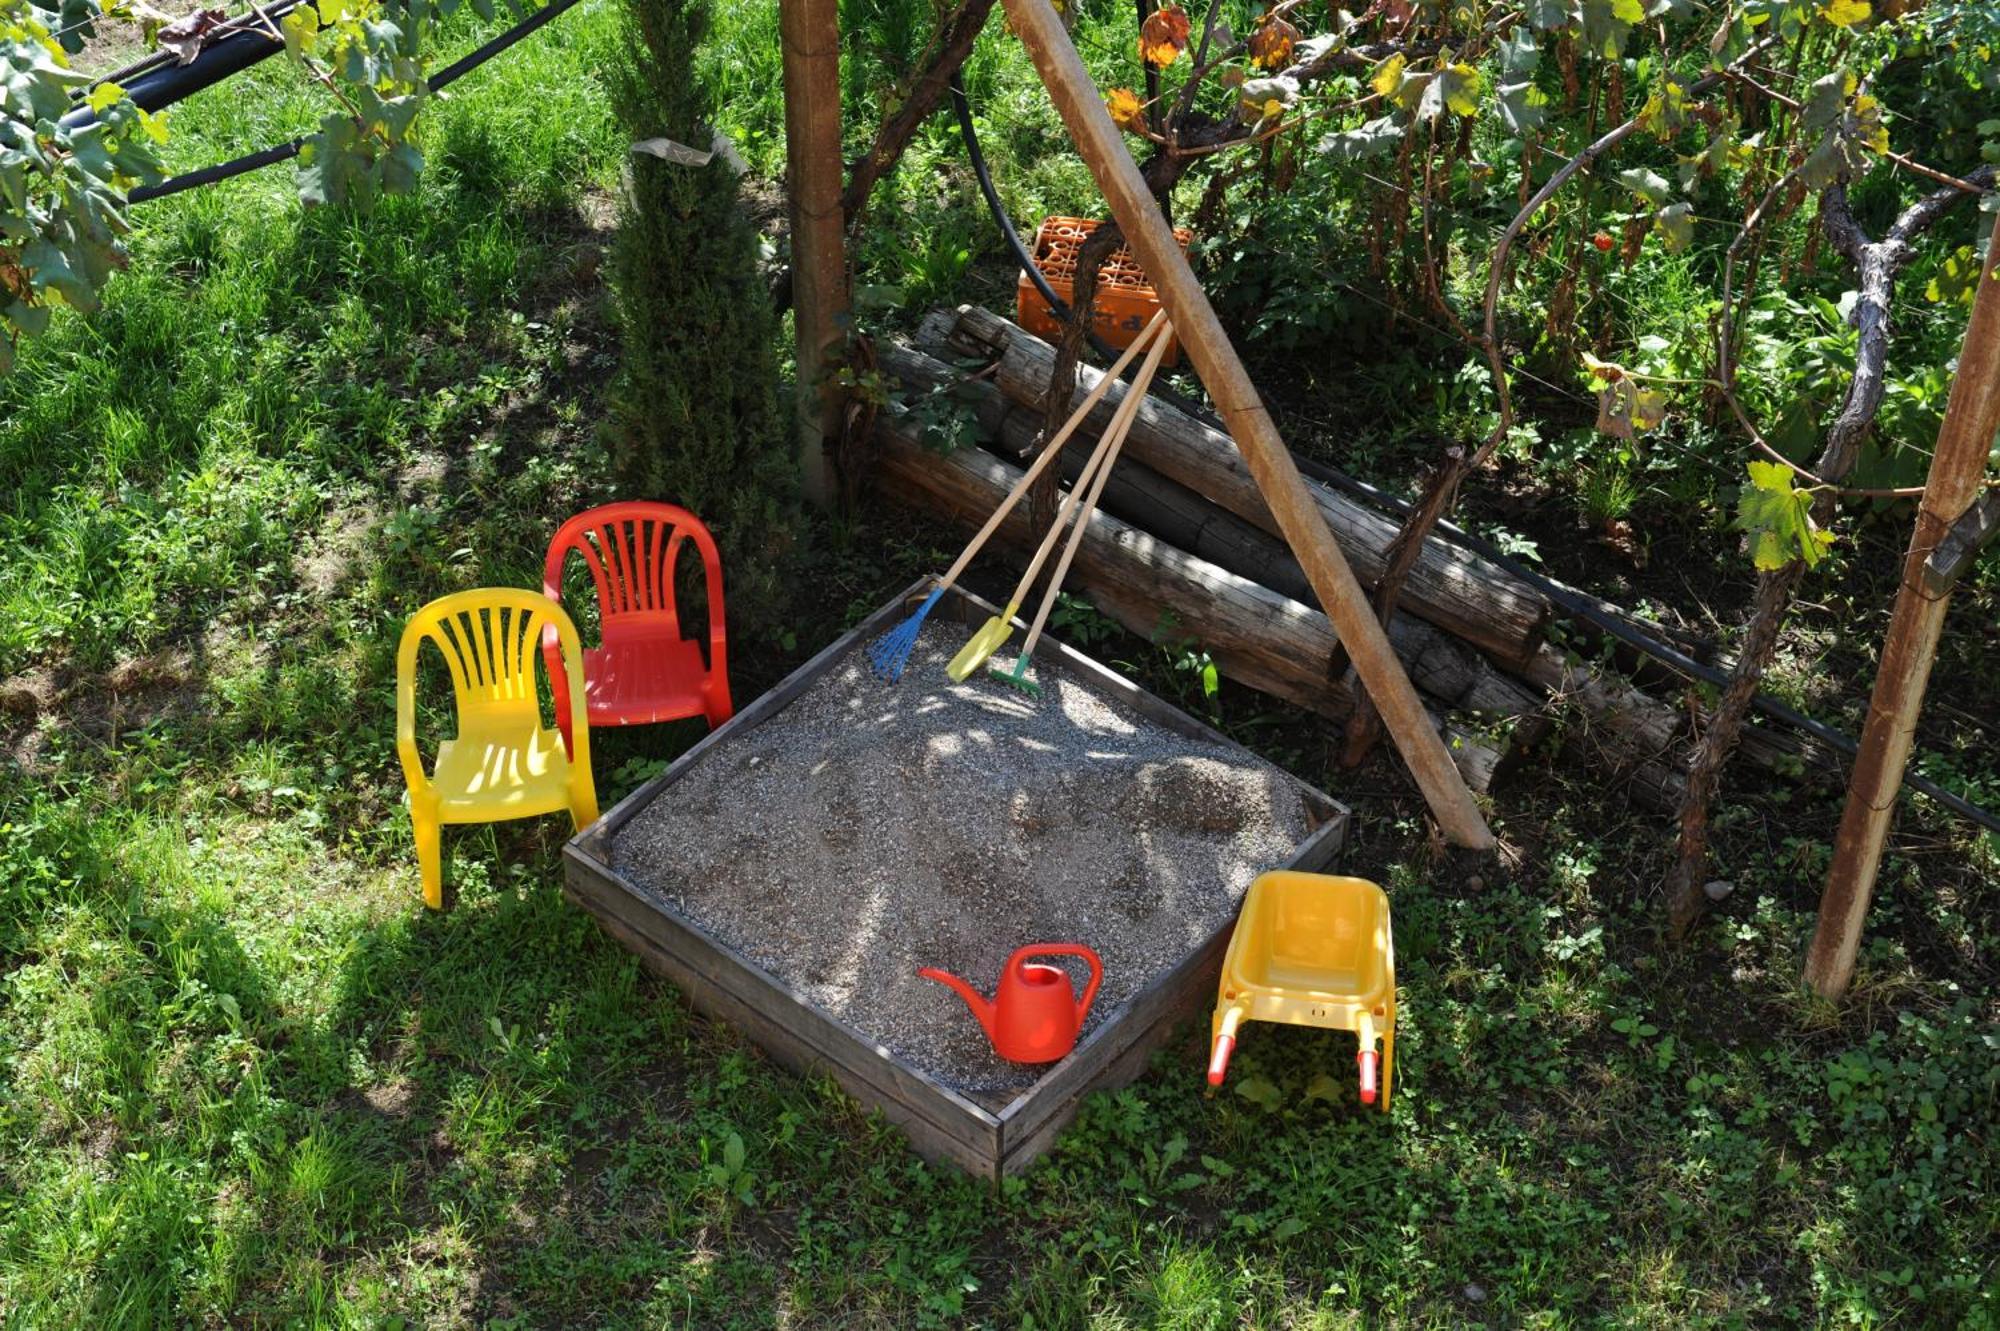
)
(868, 1071)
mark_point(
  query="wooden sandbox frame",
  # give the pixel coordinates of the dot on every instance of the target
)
(941, 1123)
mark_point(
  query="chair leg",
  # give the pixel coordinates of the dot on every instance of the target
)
(582, 803)
(430, 856)
(1388, 1062)
(719, 708)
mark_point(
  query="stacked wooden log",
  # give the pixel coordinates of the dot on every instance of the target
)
(1182, 537)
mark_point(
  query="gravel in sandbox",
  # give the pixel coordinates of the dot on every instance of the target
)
(869, 829)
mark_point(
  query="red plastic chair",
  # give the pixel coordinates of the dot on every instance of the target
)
(645, 671)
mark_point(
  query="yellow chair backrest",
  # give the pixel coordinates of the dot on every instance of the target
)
(490, 639)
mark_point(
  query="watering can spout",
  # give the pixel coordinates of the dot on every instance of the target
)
(981, 1008)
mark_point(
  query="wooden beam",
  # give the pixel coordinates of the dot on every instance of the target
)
(1456, 591)
(809, 32)
(1958, 468)
(1298, 518)
(1256, 636)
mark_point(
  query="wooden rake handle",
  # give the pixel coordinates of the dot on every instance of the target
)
(1048, 454)
(1157, 341)
(1107, 455)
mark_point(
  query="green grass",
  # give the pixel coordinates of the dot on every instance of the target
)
(246, 1080)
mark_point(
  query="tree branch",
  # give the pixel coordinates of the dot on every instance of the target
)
(954, 44)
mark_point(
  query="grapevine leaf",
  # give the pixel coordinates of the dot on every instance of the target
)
(1266, 99)
(1460, 85)
(1123, 104)
(1675, 223)
(1315, 49)
(1723, 150)
(49, 270)
(1271, 44)
(1824, 164)
(301, 32)
(1523, 106)
(1778, 517)
(1603, 372)
(1864, 124)
(1163, 36)
(32, 320)
(1648, 184)
(1607, 23)
(1826, 99)
(1956, 279)
(1666, 112)
(1376, 138)
(1388, 76)
(1846, 13)
(1518, 56)
(186, 36)
(1849, 134)
(1546, 14)
(1625, 410)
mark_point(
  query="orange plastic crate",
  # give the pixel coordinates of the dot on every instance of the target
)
(1125, 303)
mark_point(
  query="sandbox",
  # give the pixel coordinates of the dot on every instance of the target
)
(793, 870)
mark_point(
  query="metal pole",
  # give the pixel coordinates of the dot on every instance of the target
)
(1957, 471)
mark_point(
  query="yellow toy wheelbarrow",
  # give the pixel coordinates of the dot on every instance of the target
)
(1311, 950)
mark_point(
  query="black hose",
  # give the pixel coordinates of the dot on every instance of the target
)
(976, 158)
(458, 69)
(162, 87)
(1579, 604)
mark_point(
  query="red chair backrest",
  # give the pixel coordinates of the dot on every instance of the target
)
(631, 549)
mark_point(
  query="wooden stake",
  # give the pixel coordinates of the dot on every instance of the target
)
(1270, 462)
(1957, 468)
(809, 31)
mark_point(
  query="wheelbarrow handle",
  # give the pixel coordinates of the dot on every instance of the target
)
(1225, 1045)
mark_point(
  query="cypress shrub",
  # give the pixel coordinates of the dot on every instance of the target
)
(695, 418)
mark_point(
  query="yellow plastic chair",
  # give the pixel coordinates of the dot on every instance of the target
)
(1311, 950)
(503, 763)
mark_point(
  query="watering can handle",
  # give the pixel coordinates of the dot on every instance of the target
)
(1072, 950)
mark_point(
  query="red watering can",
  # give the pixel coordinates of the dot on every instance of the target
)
(1035, 1015)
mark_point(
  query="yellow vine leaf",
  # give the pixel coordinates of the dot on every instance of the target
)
(1461, 85)
(1846, 13)
(1271, 45)
(1388, 76)
(1163, 36)
(1123, 104)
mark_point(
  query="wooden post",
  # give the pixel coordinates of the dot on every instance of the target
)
(1957, 469)
(809, 31)
(1270, 462)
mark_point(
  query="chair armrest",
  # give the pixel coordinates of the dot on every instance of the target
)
(406, 713)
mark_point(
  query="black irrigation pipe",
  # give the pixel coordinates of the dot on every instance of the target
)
(155, 88)
(209, 175)
(976, 158)
(1580, 605)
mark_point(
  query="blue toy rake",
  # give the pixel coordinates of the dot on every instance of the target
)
(890, 653)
